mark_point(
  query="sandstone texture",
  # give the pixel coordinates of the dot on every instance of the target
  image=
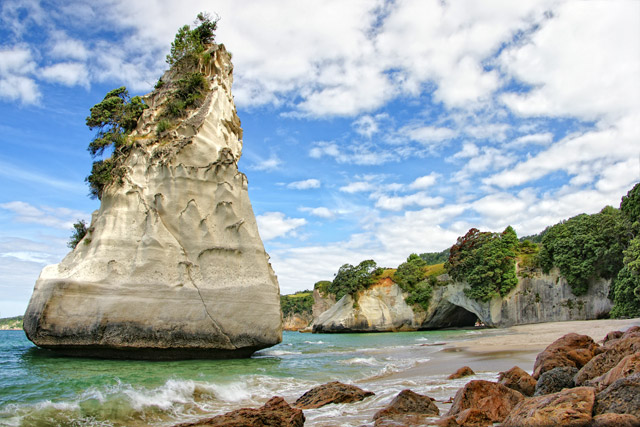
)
(571, 407)
(614, 420)
(571, 350)
(173, 265)
(407, 408)
(276, 412)
(536, 299)
(489, 400)
(381, 308)
(621, 397)
(519, 380)
(555, 380)
(333, 392)
(613, 352)
(296, 322)
(462, 372)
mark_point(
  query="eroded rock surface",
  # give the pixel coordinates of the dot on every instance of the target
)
(173, 265)
(555, 380)
(519, 380)
(461, 372)
(494, 401)
(621, 397)
(571, 350)
(407, 408)
(333, 392)
(571, 407)
(276, 412)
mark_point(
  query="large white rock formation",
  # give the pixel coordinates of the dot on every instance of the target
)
(173, 265)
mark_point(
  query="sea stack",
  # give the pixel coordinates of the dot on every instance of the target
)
(172, 266)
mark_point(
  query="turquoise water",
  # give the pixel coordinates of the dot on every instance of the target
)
(39, 388)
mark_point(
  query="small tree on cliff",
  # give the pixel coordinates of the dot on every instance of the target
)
(190, 43)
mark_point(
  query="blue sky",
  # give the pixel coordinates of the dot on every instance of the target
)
(372, 129)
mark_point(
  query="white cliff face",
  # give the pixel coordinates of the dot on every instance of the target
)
(173, 266)
(380, 308)
(541, 298)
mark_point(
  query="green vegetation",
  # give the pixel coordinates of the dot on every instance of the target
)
(322, 286)
(585, 247)
(432, 258)
(410, 276)
(11, 323)
(190, 43)
(114, 118)
(79, 231)
(298, 303)
(486, 261)
(189, 93)
(351, 280)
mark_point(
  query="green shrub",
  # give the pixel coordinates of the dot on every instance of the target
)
(322, 286)
(486, 261)
(79, 231)
(190, 43)
(298, 303)
(163, 125)
(351, 280)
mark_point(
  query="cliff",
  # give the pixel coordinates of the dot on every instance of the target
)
(536, 299)
(173, 265)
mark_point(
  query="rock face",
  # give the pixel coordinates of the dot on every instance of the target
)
(465, 371)
(333, 392)
(407, 408)
(571, 350)
(381, 308)
(173, 265)
(276, 412)
(571, 407)
(519, 380)
(494, 401)
(541, 298)
(555, 380)
(296, 322)
(621, 397)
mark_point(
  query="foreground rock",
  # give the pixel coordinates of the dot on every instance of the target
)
(612, 354)
(465, 371)
(571, 407)
(173, 265)
(408, 409)
(570, 350)
(519, 380)
(626, 367)
(621, 397)
(483, 400)
(614, 420)
(333, 392)
(276, 412)
(555, 380)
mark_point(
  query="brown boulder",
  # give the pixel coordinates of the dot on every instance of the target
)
(465, 371)
(333, 392)
(570, 407)
(614, 420)
(493, 399)
(613, 352)
(555, 380)
(519, 380)
(627, 366)
(570, 350)
(621, 397)
(276, 412)
(613, 335)
(407, 408)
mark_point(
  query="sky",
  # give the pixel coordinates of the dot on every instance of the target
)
(372, 129)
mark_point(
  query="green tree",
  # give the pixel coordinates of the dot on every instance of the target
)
(410, 273)
(79, 231)
(585, 247)
(351, 280)
(190, 43)
(114, 117)
(298, 303)
(486, 261)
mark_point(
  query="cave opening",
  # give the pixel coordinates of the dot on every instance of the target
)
(449, 315)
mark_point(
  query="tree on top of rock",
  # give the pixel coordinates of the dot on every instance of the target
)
(189, 43)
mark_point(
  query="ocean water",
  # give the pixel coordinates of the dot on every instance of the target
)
(39, 388)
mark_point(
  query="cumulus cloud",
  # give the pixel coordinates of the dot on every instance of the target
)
(424, 182)
(321, 212)
(67, 73)
(269, 165)
(398, 203)
(275, 224)
(304, 185)
(44, 215)
(427, 134)
(16, 69)
(358, 187)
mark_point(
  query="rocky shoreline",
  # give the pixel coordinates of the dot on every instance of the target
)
(575, 382)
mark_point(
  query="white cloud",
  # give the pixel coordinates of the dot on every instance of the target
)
(358, 187)
(366, 126)
(275, 224)
(544, 138)
(64, 47)
(44, 215)
(398, 203)
(304, 185)
(427, 134)
(320, 212)
(67, 73)
(271, 164)
(583, 62)
(16, 83)
(424, 182)
(357, 154)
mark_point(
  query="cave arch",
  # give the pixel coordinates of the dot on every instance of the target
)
(448, 315)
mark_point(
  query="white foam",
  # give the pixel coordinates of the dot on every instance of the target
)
(314, 342)
(367, 361)
(278, 353)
